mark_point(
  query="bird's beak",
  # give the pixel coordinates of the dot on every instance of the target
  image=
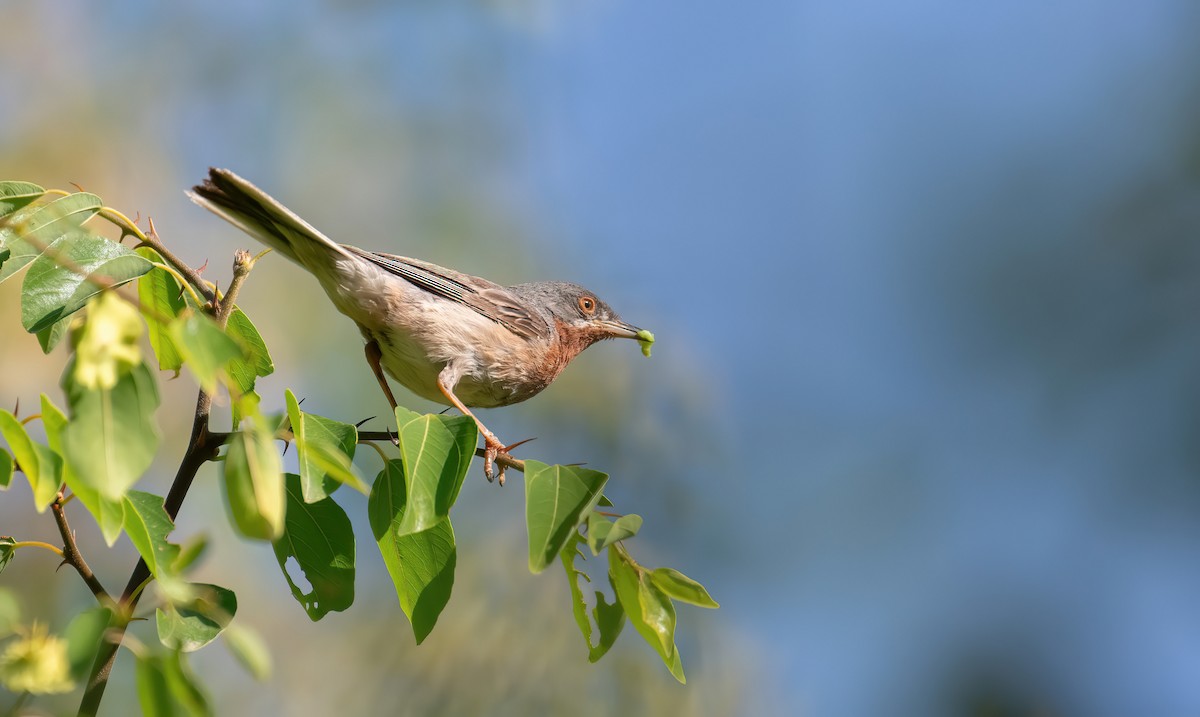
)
(620, 329)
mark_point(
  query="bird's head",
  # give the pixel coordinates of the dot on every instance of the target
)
(579, 316)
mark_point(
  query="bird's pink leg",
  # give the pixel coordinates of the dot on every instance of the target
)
(492, 445)
(373, 356)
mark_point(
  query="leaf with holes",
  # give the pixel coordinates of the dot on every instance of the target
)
(609, 617)
(319, 537)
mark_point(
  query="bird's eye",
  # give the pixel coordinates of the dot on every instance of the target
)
(587, 304)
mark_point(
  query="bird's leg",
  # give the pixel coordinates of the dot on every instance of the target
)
(373, 356)
(492, 445)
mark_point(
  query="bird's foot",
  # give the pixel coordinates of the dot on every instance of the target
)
(493, 449)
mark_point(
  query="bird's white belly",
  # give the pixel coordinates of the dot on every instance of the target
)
(419, 335)
(487, 371)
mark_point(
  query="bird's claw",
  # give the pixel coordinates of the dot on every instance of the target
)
(492, 451)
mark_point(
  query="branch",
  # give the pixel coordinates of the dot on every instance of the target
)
(502, 459)
(71, 555)
(151, 240)
(201, 448)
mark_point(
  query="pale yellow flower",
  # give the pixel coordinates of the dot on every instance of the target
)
(36, 662)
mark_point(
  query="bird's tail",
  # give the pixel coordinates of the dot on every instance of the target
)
(258, 214)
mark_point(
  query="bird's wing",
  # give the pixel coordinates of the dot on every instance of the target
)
(489, 299)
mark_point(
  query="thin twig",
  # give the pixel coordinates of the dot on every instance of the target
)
(72, 556)
(151, 240)
(37, 544)
(502, 459)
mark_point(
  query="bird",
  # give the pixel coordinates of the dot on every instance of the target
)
(449, 337)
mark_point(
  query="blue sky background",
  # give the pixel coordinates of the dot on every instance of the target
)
(922, 413)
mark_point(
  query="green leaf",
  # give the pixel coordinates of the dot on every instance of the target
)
(161, 298)
(609, 618)
(244, 405)
(421, 564)
(10, 612)
(50, 336)
(109, 514)
(436, 452)
(147, 524)
(166, 688)
(26, 234)
(255, 360)
(6, 469)
(681, 587)
(14, 195)
(73, 269)
(319, 536)
(649, 610)
(324, 448)
(108, 344)
(249, 649)
(42, 466)
(83, 636)
(7, 551)
(190, 625)
(556, 499)
(254, 481)
(189, 553)
(112, 436)
(603, 532)
(205, 347)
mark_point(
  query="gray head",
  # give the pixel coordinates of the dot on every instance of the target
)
(575, 309)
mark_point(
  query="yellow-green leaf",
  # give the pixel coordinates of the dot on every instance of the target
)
(41, 466)
(109, 514)
(112, 436)
(254, 481)
(681, 587)
(556, 500)
(422, 563)
(162, 299)
(147, 524)
(436, 452)
(205, 347)
(649, 610)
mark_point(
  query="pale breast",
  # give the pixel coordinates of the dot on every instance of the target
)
(429, 333)
(420, 334)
